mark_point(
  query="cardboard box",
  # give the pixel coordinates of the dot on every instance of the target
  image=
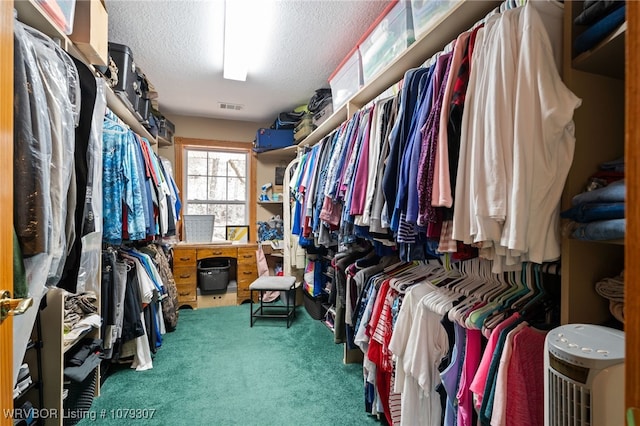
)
(91, 31)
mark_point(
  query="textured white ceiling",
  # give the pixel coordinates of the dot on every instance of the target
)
(178, 46)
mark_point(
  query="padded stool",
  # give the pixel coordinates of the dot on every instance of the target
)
(268, 283)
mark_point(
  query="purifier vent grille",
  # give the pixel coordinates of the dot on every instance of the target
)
(569, 403)
(227, 105)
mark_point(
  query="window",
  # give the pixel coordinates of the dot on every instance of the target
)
(216, 182)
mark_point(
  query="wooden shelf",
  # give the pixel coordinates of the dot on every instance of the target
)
(286, 153)
(32, 385)
(464, 15)
(619, 242)
(269, 250)
(607, 57)
(121, 110)
(164, 142)
(597, 78)
(273, 206)
(326, 127)
(32, 14)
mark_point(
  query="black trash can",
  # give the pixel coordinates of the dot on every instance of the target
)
(213, 275)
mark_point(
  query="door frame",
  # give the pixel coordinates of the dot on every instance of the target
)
(632, 244)
(6, 199)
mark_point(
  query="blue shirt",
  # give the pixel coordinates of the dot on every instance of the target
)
(133, 190)
(113, 137)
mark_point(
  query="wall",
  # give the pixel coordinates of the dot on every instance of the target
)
(232, 131)
(211, 128)
(266, 172)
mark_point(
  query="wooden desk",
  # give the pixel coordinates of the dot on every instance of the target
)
(185, 268)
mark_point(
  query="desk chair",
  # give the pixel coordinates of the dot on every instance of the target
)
(286, 285)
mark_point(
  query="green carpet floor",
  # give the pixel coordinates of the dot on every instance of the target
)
(216, 370)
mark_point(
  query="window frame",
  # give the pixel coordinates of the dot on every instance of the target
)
(182, 145)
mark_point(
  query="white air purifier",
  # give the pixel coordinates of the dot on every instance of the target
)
(584, 376)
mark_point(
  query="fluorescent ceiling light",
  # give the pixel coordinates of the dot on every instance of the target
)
(243, 20)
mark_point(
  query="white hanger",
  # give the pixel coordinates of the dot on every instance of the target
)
(459, 312)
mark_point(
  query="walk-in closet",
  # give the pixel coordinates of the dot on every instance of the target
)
(392, 212)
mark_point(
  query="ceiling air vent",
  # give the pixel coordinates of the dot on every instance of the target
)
(227, 105)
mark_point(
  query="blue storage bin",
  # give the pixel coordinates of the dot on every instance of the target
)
(268, 139)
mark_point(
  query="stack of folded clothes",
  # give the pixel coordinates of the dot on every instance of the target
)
(80, 316)
(83, 359)
(598, 213)
(601, 17)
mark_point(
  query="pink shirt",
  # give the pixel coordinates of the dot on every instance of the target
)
(480, 379)
(473, 351)
(525, 379)
(361, 177)
(441, 195)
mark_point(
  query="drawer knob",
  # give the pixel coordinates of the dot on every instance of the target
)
(184, 294)
(247, 256)
(184, 259)
(248, 272)
(217, 252)
(185, 275)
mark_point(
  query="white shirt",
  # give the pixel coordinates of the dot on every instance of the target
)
(427, 344)
(517, 143)
(554, 138)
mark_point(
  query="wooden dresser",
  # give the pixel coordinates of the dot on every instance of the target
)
(185, 268)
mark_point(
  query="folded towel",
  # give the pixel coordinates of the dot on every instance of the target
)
(612, 288)
(617, 310)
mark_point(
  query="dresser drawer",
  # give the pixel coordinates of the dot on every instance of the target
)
(204, 253)
(185, 275)
(244, 283)
(186, 292)
(246, 275)
(184, 257)
(246, 257)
